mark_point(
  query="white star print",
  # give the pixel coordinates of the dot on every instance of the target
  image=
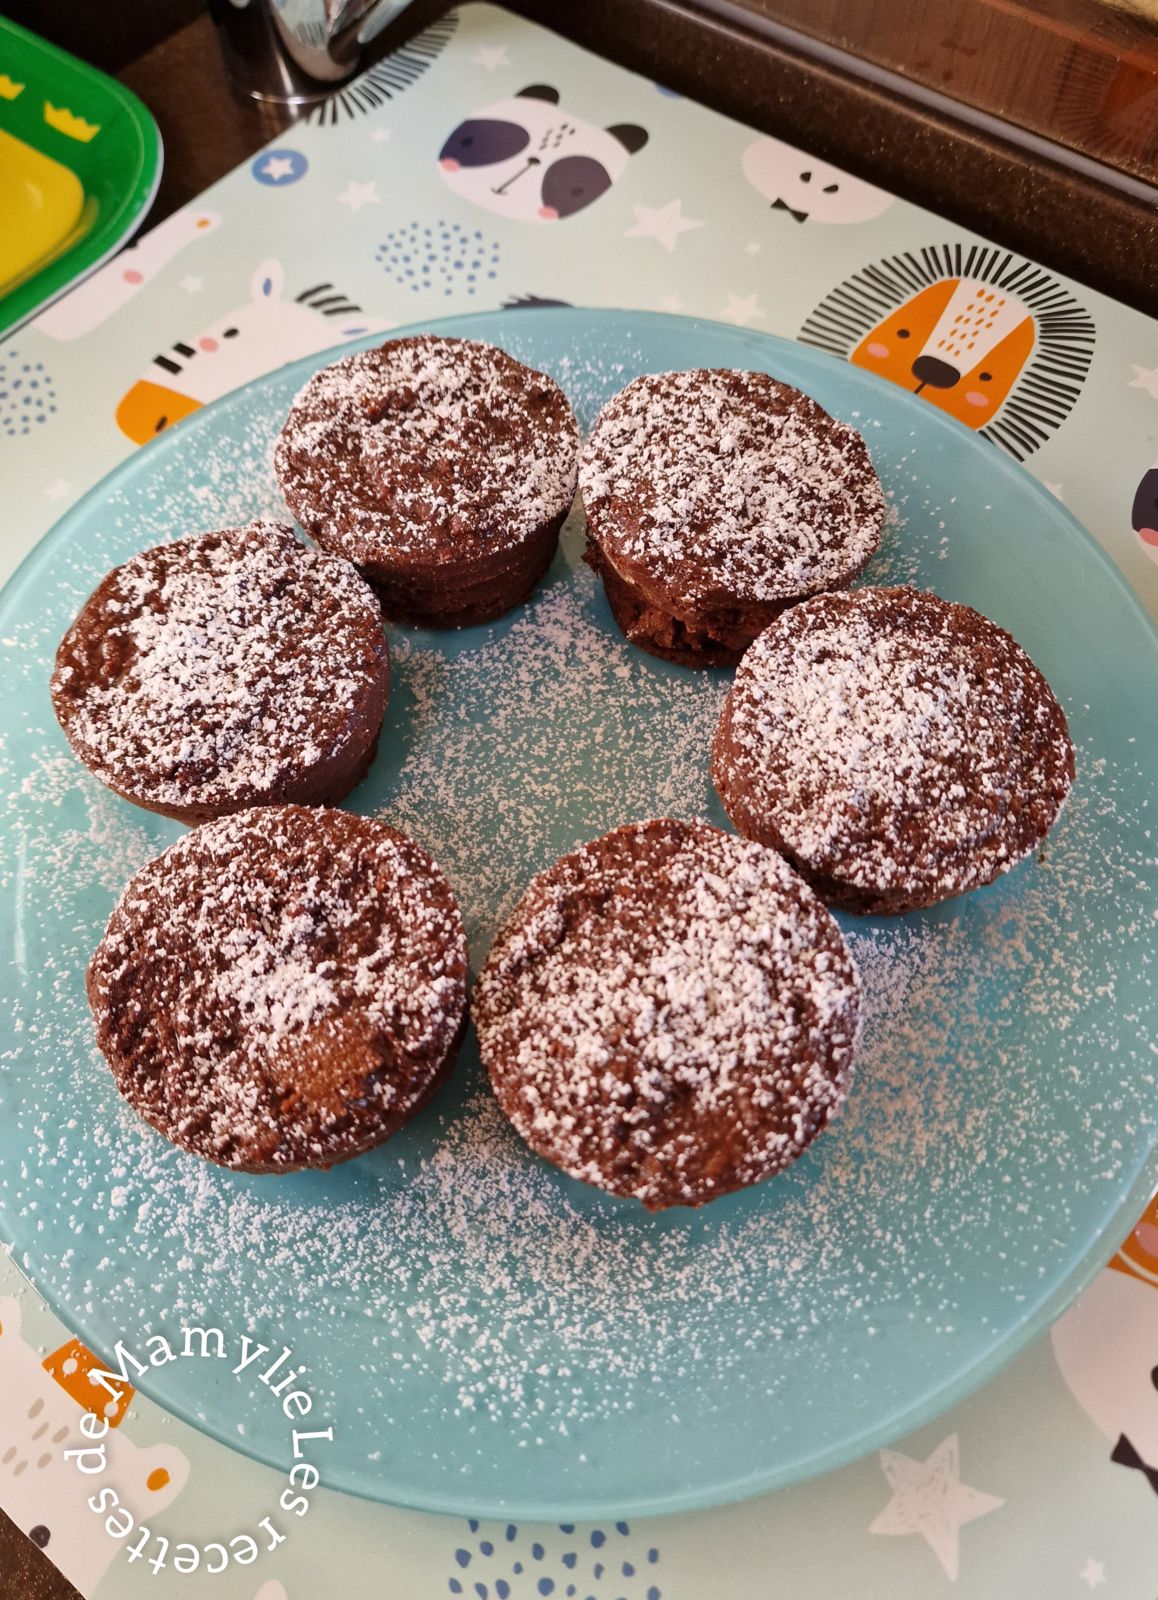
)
(930, 1499)
(357, 195)
(491, 56)
(742, 310)
(670, 302)
(664, 223)
(752, 248)
(1145, 378)
(60, 490)
(278, 167)
(191, 284)
(1093, 1574)
(381, 136)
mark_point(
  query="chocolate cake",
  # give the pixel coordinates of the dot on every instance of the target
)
(716, 498)
(898, 749)
(443, 468)
(283, 988)
(669, 1014)
(226, 670)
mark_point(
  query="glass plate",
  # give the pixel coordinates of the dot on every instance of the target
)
(485, 1335)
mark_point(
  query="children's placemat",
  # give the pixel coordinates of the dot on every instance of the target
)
(413, 194)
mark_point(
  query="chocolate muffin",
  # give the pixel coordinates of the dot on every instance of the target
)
(227, 670)
(443, 468)
(898, 749)
(283, 988)
(669, 1014)
(714, 499)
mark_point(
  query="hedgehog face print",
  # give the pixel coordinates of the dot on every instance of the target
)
(798, 186)
(529, 160)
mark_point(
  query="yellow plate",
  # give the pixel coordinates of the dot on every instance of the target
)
(42, 210)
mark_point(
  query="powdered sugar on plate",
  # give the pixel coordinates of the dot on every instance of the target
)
(479, 1327)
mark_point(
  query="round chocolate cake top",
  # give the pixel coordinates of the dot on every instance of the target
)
(427, 449)
(726, 487)
(218, 670)
(893, 743)
(670, 1013)
(282, 987)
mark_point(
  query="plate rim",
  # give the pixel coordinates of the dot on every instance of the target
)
(936, 1400)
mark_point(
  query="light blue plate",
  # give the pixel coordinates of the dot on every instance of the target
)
(485, 1335)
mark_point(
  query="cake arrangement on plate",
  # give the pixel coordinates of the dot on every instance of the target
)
(670, 1013)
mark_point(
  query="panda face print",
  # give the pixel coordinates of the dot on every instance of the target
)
(799, 187)
(526, 159)
(572, 183)
(482, 142)
(1144, 516)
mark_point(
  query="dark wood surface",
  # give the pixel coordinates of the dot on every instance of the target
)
(1083, 72)
(1072, 224)
(207, 130)
(106, 36)
(25, 1573)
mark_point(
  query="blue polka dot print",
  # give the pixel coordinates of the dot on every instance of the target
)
(562, 1562)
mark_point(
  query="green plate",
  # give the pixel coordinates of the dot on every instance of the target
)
(484, 1334)
(80, 160)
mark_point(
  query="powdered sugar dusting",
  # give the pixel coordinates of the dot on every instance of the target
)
(479, 1326)
(728, 487)
(427, 447)
(280, 987)
(220, 669)
(471, 1265)
(894, 744)
(670, 1013)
